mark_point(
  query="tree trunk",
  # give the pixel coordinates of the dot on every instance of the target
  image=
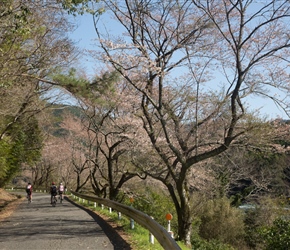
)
(113, 193)
(184, 225)
(184, 215)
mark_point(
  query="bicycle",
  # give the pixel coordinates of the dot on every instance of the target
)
(28, 198)
(53, 203)
(60, 197)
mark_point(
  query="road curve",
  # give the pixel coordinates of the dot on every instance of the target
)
(38, 225)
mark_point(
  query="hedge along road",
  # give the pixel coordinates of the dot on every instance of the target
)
(38, 225)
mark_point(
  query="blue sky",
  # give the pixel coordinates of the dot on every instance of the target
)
(85, 34)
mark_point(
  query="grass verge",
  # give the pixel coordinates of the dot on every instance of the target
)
(138, 237)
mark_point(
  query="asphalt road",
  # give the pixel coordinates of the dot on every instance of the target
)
(38, 225)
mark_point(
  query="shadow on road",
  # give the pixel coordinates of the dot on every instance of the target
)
(118, 242)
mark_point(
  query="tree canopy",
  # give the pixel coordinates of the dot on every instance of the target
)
(171, 96)
(33, 45)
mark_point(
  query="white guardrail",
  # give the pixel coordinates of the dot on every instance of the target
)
(159, 232)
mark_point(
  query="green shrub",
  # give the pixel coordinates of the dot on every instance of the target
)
(252, 237)
(277, 236)
(258, 221)
(200, 244)
(155, 204)
(221, 222)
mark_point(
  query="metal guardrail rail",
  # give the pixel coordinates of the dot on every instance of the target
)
(159, 232)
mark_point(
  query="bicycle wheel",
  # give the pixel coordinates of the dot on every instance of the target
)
(53, 201)
(29, 199)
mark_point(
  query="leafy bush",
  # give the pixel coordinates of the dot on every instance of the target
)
(200, 244)
(221, 222)
(258, 221)
(217, 225)
(155, 204)
(277, 236)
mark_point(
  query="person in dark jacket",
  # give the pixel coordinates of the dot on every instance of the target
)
(53, 191)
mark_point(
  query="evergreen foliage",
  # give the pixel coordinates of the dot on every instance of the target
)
(21, 145)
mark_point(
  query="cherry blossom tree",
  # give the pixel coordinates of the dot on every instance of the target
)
(194, 63)
(78, 149)
(112, 129)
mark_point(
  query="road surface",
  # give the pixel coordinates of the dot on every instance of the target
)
(38, 225)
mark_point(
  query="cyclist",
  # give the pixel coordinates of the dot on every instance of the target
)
(60, 191)
(53, 191)
(29, 191)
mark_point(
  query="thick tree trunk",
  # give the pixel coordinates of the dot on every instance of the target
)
(184, 214)
(113, 193)
(184, 225)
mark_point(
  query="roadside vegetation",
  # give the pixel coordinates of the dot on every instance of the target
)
(167, 118)
(8, 203)
(217, 226)
(138, 237)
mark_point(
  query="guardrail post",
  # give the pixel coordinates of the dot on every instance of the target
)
(169, 230)
(110, 210)
(95, 204)
(131, 220)
(132, 226)
(119, 215)
(151, 236)
(169, 218)
(102, 206)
